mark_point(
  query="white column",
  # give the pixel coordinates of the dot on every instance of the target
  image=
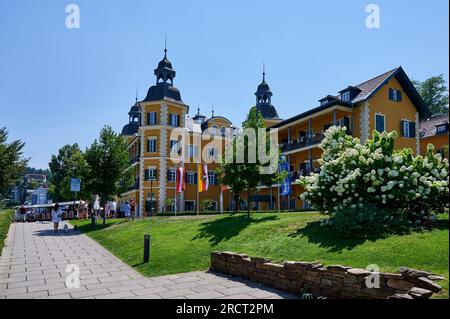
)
(364, 122)
(163, 157)
(417, 134)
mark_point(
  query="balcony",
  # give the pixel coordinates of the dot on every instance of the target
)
(134, 160)
(301, 142)
(135, 186)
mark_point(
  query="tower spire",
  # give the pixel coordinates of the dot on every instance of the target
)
(165, 45)
(136, 95)
(212, 110)
(264, 71)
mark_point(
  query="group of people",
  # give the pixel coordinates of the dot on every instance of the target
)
(129, 209)
(83, 211)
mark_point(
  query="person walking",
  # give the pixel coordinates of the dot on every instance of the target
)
(113, 208)
(132, 208)
(22, 213)
(127, 210)
(56, 217)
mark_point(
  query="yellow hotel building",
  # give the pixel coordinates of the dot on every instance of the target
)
(385, 103)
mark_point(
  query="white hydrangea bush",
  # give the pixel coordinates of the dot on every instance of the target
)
(355, 175)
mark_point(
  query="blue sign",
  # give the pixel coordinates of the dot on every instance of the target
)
(285, 187)
(75, 184)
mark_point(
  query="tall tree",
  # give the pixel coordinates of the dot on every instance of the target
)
(12, 163)
(247, 176)
(434, 92)
(108, 165)
(69, 163)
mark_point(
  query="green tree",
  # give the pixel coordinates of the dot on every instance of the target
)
(33, 185)
(108, 165)
(12, 163)
(69, 163)
(434, 92)
(246, 176)
(206, 204)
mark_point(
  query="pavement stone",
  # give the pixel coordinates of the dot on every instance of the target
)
(34, 260)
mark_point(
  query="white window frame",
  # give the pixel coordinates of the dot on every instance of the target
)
(384, 122)
(211, 177)
(153, 118)
(189, 176)
(155, 139)
(174, 120)
(345, 96)
(406, 129)
(441, 128)
(151, 173)
(172, 175)
(395, 95)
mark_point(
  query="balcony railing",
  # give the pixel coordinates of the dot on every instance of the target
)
(134, 186)
(134, 160)
(295, 144)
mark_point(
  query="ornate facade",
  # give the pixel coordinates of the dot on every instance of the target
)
(385, 103)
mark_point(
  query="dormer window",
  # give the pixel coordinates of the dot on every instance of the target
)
(345, 96)
(441, 128)
(324, 102)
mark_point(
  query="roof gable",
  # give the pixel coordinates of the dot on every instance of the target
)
(372, 86)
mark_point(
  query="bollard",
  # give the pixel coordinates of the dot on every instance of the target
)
(75, 227)
(146, 249)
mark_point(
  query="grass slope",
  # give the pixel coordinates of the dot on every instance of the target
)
(5, 221)
(182, 244)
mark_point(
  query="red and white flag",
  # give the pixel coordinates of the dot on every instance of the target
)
(205, 177)
(181, 181)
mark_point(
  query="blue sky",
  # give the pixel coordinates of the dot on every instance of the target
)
(60, 86)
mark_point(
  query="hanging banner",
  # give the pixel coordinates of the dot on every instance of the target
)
(285, 187)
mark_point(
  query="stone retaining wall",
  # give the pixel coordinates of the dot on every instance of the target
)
(334, 282)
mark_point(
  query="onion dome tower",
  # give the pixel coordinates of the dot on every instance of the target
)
(264, 101)
(164, 88)
(134, 120)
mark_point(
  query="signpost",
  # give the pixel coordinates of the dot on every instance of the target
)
(75, 186)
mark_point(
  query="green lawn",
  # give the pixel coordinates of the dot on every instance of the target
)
(5, 221)
(182, 244)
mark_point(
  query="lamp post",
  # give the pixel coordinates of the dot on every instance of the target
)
(151, 196)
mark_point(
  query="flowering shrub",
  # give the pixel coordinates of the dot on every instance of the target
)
(357, 176)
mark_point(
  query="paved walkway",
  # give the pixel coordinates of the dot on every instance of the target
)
(34, 260)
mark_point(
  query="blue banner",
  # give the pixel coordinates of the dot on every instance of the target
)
(285, 187)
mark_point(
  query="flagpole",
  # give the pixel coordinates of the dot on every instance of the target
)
(198, 193)
(278, 197)
(221, 198)
(175, 200)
